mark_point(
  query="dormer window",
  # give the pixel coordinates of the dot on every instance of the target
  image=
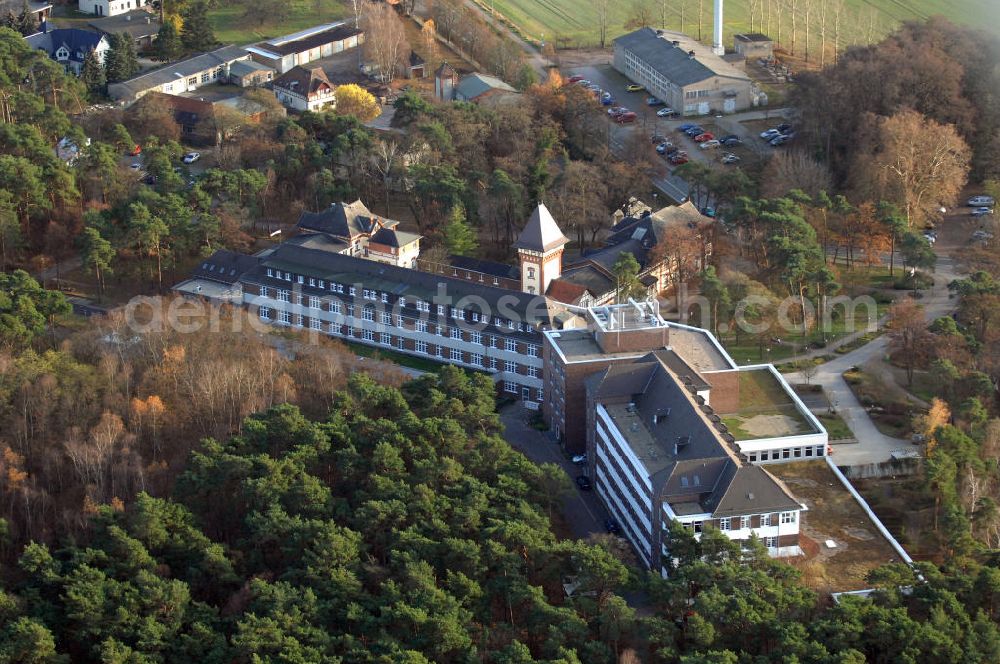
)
(62, 54)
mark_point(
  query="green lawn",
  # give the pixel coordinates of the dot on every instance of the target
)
(835, 426)
(231, 28)
(402, 359)
(576, 21)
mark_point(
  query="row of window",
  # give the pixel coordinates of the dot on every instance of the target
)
(454, 354)
(743, 522)
(368, 314)
(786, 453)
(376, 296)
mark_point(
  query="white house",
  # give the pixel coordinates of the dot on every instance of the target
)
(304, 89)
(110, 7)
(69, 46)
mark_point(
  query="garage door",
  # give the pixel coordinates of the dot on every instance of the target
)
(703, 108)
(729, 105)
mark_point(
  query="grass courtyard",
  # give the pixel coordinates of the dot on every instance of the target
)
(765, 409)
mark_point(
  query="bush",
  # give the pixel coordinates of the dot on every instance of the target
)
(923, 282)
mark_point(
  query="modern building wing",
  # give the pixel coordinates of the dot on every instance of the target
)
(181, 76)
(658, 454)
(283, 53)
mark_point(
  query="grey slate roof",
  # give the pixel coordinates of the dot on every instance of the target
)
(541, 233)
(680, 447)
(137, 24)
(390, 237)
(673, 61)
(78, 42)
(401, 281)
(476, 85)
(246, 67)
(502, 270)
(179, 70)
(593, 278)
(224, 266)
(345, 220)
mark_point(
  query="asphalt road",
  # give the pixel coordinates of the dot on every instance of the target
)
(583, 511)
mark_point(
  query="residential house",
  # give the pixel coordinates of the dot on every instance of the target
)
(304, 89)
(69, 46)
(40, 11)
(683, 72)
(658, 455)
(284, 53)
(250, 74)
(110, 7)
(142, 25)
(361, 233)
(182, 76)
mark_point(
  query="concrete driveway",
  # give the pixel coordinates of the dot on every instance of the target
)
(583, 512)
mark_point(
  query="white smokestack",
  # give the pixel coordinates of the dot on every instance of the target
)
(717, 46)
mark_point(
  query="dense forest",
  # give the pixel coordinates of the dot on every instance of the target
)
(401, 528)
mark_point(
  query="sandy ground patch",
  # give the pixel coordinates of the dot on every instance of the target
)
(767, 426)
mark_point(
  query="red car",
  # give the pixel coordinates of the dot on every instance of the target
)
(707, 136)
(628, 116)
(679, 159)
(575, 78)
(136, 151)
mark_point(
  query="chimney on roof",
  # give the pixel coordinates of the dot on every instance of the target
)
(690, 55)
(675, 42)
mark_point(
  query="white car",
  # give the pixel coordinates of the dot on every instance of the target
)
(769, 134)
(136, 166)
(980, 201)
(730, 158)
(707, 145)
(191, 157)
(665, 112)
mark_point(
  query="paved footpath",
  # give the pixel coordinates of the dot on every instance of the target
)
(873, 446)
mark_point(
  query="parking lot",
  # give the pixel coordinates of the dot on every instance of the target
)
(622, 137)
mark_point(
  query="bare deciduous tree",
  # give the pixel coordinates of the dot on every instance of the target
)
(385, 40)
(601, 9)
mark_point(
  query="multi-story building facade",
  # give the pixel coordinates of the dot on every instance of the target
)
(657, 455)
(450, 320)
(683, 72)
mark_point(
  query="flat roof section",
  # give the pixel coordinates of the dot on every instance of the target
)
(834, 515)
(765, 409)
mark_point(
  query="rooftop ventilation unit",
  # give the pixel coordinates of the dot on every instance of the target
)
(630, 407)
(721, 427)
(715, 419)
(683, 441)
(708, 410)
(729, 438)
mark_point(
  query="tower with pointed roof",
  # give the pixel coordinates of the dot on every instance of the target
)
(445, 80)
(540, 248)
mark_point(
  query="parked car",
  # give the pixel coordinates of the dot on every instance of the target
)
(136, 166)
(664, 146)
(617, 110)
(671, 151)
(653, 101)
(768, 134)
(710, 144)
(678, 158)
(628, 116)
(979, 201)
(778, 140)
(136, 151)
(708, 212)
(666, 112)
(684, 127)
(982, 235)
(191, 157)
(575, 78)
(149, 179)
(707, 136)
(930, 237)
(784, 128)
(656, 139)
(633, 87)
(580, 459)
(612, 527)
(583, 482)
(981, 211)
(730, 158)
(583, 82)
(696, 130)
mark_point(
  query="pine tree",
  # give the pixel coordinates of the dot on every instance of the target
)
(92, 74)
(196, 33)
(120, 61)
(168, 42)
(459, 237)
